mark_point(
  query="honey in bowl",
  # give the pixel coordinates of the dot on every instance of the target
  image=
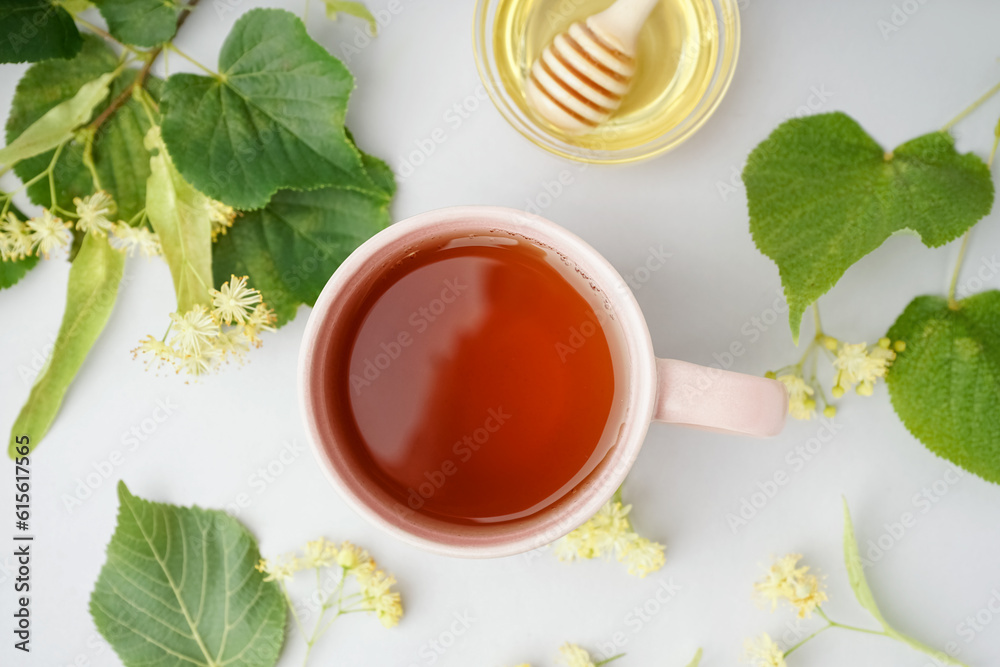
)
(676, 58)
(480, 381)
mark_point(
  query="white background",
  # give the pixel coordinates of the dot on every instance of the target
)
(941, 570)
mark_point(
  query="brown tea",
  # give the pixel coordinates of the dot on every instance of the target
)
(480, 381)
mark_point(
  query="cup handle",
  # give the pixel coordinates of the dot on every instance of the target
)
(716, 400)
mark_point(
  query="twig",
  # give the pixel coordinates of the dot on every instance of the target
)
(143, 74)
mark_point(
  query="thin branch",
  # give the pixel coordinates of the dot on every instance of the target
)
(143, 74)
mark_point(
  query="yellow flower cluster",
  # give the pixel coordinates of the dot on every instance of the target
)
(201, 339)
(609, 534)
(40, 236)
(572, 655)
(763, 652)
(374, 585)
(221, 216)
(786, 580)
(47, 233)
(858, 366)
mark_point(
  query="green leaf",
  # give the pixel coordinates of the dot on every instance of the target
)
(93, 287)
(945, 386)
(356, 9)
(291, 248)
(12, 272)
(856, 570)
(56, 126)
(856, 575)
(273, 119)
(33, 30)
(822, 194)
(119, 157)
(180, 215)
(179, 588)
(145, 23)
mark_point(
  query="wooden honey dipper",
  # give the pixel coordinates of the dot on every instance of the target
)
(582, 75)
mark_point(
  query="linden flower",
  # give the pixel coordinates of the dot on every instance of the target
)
(763, 652)
(279, 569)
(261, 319)
(93, 211)
(644, 556)
(130, 239)
(48, 233)
(784, 580)
(350, 556)
(193, 332)
(801, 404)
(608, 534)
(319, 553)
(221, 217)
(233, 300)
(377, 593)
(15, 238)
(574, 656)
(857, 365)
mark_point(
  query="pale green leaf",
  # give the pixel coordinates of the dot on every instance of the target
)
(696, 660)
(145, 23)
(179, 214)
(179, 589)
(58, 123)
(945, 386)
(119, 157)
(34, 30)
(356, 9)
(856, 575)
(90, 297)
(290, 248)
(856, 570)
(273, 119)
(822, 194)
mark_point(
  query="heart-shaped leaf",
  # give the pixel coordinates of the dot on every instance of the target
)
(290, 248)
(33, 30)
(272, 119)
(823, 194)
(179, 588)
(145, 23)
(945, 385)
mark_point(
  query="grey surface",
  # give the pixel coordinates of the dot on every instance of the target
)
(226, 428)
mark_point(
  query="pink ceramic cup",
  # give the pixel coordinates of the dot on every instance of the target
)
(647, 389)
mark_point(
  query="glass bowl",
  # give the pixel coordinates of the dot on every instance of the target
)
(510, 100)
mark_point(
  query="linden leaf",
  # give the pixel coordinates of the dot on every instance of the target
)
(90, 297)
(179, 588)
(33, 30)
(290, 248)
(859, 584)
(945, 386)
(145, 23)
(822, 194)
(856, 570)
(272, 119)
(10, 271)
(119, 157)
(356, 9)
(179, 214)
(56, 126)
